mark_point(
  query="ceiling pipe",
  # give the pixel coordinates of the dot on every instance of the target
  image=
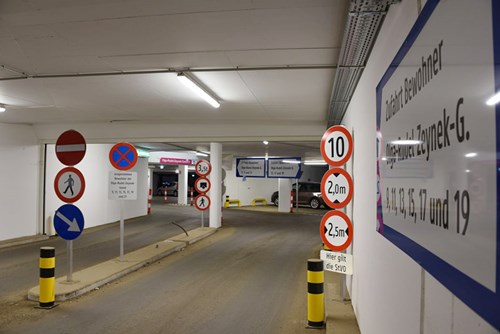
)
(23, 75)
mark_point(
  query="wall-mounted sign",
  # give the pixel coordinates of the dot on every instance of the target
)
(175, 161)
(432, 116)
(251, 167)
(286, 168)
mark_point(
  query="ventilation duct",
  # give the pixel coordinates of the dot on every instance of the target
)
(363, 24)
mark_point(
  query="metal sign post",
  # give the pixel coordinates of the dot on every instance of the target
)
(122, 185)
(69, 247)
(122, 231)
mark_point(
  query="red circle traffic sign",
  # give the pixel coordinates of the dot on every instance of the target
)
(202, 202)
(336, 145)
(70, 147)
(337, 188)
(203, 168)
(123, 156)
(336, 230)
(202, 185)
(69, 184)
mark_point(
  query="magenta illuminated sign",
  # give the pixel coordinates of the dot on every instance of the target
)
(175, 161)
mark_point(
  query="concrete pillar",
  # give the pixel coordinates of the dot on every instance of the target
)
(284, 190)
(182, 191)
(216, 182)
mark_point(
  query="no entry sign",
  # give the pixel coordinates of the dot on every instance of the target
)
(69, 184)
(123, 156)
(70, 148)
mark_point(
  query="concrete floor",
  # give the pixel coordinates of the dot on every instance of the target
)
(250, 277)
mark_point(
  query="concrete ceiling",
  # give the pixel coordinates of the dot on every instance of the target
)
(76, 64)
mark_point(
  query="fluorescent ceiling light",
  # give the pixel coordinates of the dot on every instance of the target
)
(196, 87)
(314, 163)
(2, 108)
(161, 166)
(291, 161)
(200, 154)
(471, 155)
(265, 142)
(406, 142)
(494, 99)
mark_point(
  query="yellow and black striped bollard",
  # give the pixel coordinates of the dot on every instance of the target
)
(47, 277)
(315, 295)
(227, 201)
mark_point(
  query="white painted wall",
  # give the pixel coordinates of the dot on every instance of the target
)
(94, 204)
(387, 285)
(19, 180)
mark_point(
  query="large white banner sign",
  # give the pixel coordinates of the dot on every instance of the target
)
(437, 149)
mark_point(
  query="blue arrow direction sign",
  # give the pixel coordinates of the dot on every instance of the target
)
(285, 168)
(250, 167)
(68, 222)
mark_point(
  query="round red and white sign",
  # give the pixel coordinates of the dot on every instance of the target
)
(336, 230)
(203, 168)
(202, 202)
(70, 148)
(69, 184)
(336, 188)
(336, 145)
(202, 185)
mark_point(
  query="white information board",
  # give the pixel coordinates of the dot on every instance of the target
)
(337, 262)
(437, 149)
(122, 185)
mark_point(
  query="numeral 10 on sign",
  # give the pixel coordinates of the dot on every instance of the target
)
(336, 145)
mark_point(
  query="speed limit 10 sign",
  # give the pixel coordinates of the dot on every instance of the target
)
(336, 145)
(336, 230)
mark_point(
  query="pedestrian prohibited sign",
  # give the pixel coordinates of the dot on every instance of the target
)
(70, 148)
(336, 230)
(69, 184)
(123, 156)
(336, 145)
(336, 188)
(202, 202)
(68, 222)
(203, 168)
(202, 185)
